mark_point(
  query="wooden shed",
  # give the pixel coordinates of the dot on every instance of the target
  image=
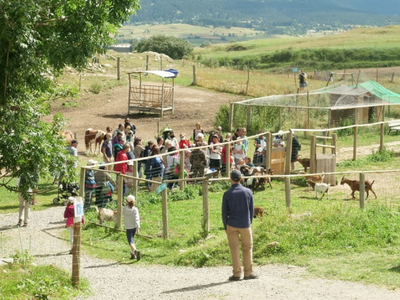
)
(151, 97)
(354, 103)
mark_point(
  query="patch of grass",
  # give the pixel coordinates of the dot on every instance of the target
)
(95, 88)
(25, 280)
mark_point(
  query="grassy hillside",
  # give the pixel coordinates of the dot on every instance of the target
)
(360, 47)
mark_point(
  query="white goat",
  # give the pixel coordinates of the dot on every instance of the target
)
(322, 188)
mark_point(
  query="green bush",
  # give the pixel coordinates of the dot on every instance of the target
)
(174, 47)
(95, 88)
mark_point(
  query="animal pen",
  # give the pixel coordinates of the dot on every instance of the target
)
(153, 98)
(343, 103)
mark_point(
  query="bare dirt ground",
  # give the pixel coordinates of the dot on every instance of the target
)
(109, 108)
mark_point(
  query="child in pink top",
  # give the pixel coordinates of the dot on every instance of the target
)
(69, 216)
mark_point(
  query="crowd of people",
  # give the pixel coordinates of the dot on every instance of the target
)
(122, 145)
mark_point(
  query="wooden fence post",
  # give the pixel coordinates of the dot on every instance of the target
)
(118, 68)
(135, 174)
(362, 190)
(194, 76)
(147, 62)
(181, 169)
(165, 213)
(268, 151)
(287, 194)
(206, 207)
(288, 163)
(228, 160)
(355, 143)
(313, 154)
(381, 142)
(230, 125)
(120, 197)
(76, 254)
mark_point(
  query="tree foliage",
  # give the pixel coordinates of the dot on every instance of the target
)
(38, 39)
(174, 47)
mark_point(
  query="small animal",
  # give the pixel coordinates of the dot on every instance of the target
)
(106, 215)
(259, 212)
(305, 162)
(313, 179)
(355, 186)
(322, 188)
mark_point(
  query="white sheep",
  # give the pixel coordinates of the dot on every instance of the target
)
(322, 188)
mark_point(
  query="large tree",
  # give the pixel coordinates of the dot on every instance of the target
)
(38, 38)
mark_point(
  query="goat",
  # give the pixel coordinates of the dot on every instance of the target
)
(259, 212)
(355, 186)
(106, 214)
(305, 162)
(313, 179)
(253, 179)
(322, 188)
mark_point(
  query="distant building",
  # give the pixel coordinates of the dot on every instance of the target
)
(122, 48)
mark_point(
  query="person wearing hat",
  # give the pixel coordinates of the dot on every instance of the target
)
(237, 216)
(132, 224)
(183, 143)
(277, 141)
(90, 184)
(103, 188)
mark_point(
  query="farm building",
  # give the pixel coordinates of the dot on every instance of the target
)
(343, 103)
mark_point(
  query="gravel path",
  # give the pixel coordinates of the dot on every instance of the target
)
(112, 280)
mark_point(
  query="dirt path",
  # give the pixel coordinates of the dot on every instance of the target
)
(134, 280)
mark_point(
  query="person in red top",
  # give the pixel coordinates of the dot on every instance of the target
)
(69, 215)
(122, 167)
(183, 143)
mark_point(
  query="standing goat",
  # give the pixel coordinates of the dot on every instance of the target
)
(355, 186)
(322, 188)
(305, 162)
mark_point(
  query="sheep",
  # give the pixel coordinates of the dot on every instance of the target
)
(355, 186)
(305, 162)
(322, 188)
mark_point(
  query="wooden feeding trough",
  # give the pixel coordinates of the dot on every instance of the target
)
(153, 98)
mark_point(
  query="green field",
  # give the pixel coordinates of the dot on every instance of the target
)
(195, 34)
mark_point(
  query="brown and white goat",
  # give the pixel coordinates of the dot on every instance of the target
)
(252, 177)
(355, 186)
(313, 179)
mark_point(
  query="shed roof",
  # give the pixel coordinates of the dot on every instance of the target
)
(163, 74)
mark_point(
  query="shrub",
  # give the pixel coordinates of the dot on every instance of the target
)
(95, 88)
(174, 47)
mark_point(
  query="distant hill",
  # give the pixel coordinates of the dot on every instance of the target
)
(272, 16)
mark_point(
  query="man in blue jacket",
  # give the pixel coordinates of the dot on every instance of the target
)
(237, 216)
